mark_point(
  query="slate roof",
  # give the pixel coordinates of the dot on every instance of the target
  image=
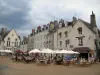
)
(4, 35)
(88, 25)
(70, 23)
(26, 39)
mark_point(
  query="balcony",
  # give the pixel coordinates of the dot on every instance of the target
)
(80, 35)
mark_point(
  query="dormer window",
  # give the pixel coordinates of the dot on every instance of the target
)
(63, 24)
(46, 27)
(60, 34)
(12, 34)
(16, 39)
(80, 30)
(8, 38)
(66, 34)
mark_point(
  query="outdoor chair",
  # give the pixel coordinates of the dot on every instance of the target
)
(19, 58)
(88, 64)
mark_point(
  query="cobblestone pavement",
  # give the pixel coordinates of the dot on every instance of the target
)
(9, 67)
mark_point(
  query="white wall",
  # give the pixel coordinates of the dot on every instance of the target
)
(12, 35)
(40, 39)
(30, 44)
(85, 32)
(63, 38)
(72, 34)
(23, 47)
(2, 45)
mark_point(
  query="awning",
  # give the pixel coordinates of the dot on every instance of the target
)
(82, 49)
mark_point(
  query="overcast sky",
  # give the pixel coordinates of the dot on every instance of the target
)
(24, 15)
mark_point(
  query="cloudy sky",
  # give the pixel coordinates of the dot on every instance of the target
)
(24, 15)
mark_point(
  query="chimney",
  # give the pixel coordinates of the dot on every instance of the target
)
(61, 21)
(93, 20)
(44, 26)
(56, 25)
(51, 25)
(33, 30)
(51, 22)
(74, 19)
(2, 30)
(39, 28)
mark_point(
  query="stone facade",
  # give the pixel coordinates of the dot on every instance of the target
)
(68, 35)
(10, 40)
(30, 44)
(40, 40)
(23, 44)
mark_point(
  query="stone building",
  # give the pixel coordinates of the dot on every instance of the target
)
(77, 35)
(9, 40)
(23, 44)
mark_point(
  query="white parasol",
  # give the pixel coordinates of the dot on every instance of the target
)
(47, 51)
(35, 51)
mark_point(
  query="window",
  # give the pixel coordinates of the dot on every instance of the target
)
(67, 42)
(8, 43)
(60, 43)
(12, 34)
(8, 38)
(16, 39)
(80, 30)
(80, 41)
(71, 46)
(49, 41)
(60, 34)
(66, 34)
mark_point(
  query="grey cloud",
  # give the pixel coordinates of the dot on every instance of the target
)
(28, 14)
(13, 12)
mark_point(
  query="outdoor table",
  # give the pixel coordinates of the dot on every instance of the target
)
(83, 64)
(42, 62)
